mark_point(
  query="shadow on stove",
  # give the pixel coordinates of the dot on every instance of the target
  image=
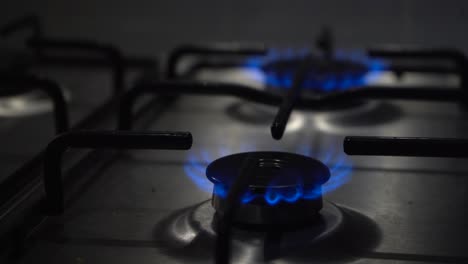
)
(184, 235)
(359, 236)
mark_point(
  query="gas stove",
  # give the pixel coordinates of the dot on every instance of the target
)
(293, 155)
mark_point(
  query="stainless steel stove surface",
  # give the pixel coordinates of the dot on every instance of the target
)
(139, 195)
(145, 206)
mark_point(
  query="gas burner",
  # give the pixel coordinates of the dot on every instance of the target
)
(340, 71)
(31, 103)
(323, 74)
(285, 188)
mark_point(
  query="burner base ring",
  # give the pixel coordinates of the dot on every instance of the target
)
(300, 212)
(328, 221)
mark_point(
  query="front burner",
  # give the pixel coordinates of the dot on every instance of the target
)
(284, 189)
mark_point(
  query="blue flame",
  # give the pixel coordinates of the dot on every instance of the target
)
(340, 170)
(332, 82)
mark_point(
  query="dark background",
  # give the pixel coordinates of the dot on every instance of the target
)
(149, 26)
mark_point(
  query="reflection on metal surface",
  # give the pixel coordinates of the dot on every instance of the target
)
(249, 246)
(354, 120)
(296, 123)
(262, 115)
(31, 103)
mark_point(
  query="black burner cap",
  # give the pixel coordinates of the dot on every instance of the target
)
(273, 170)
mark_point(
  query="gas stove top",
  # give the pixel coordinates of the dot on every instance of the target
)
(270, 171)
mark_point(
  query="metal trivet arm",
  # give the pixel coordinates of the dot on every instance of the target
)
(454, 55)
(40, 43)
(157, 87)
(238, 187)
(111, 52)
(53, 182)
(187, 87)
(290, 98)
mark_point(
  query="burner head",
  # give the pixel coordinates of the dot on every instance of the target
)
(334, 71)
(284, 188)
(324, 74)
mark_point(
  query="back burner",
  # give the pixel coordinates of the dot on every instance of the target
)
(323, 74)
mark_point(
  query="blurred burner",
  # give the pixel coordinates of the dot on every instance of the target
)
(328, 71)
(285, 188)
(324, 74)
(31, 103)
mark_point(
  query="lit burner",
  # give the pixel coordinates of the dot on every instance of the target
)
(284, 188)
(284, 180)
(341, 72)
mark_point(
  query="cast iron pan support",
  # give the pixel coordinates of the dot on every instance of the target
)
(39, 43)
(248, 93)
(238, 187)
(172, 88)
(287, 105)
(456, 56)
(109, 51)
(53, 184)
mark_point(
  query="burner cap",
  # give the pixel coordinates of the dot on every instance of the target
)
(273, 170)
(284, 189)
